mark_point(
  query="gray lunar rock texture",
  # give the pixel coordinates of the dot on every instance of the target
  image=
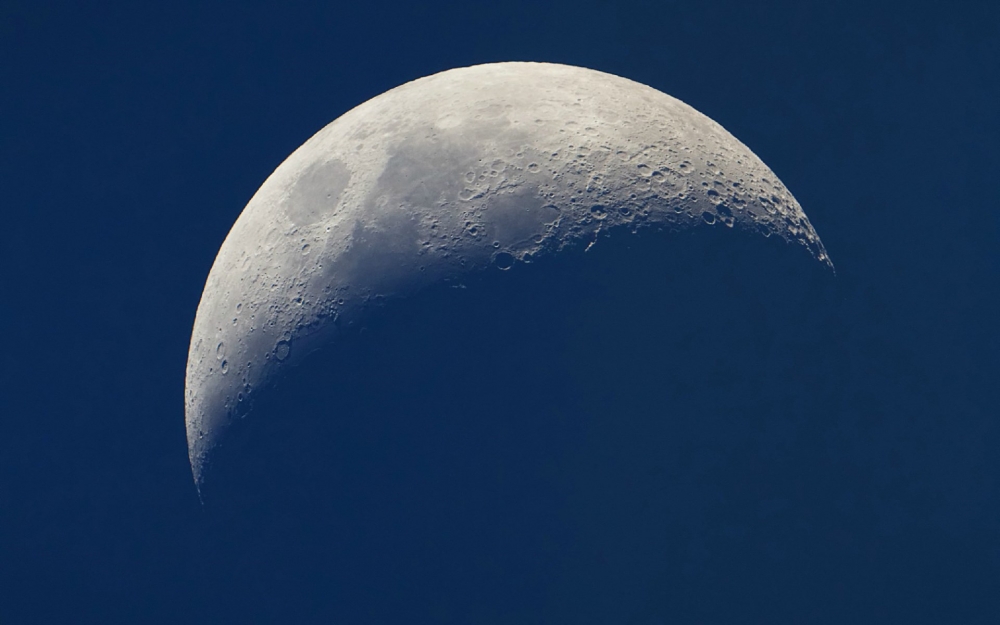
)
(468, 170)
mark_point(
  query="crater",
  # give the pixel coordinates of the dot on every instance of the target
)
(317, 192)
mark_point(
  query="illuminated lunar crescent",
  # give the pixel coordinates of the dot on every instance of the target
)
(469, 170)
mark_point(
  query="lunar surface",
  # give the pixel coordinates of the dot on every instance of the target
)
(480, 169)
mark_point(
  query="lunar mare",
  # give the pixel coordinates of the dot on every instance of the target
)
(473, 169)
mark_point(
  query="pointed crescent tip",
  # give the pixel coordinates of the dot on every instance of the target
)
(829, 262)
(196, 460)
(196, 464)
(196, 474)
(199, 482)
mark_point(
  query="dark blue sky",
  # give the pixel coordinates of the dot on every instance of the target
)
(132, 135)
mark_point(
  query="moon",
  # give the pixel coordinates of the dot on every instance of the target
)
(486, 168)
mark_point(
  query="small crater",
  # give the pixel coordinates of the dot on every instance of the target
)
(708, 217)
(470, 176)
(598, 211)
(533, 168)
(282, 349)
(225, 367)
(220, 350)
(645, 170)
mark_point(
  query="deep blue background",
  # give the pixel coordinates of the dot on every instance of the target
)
(131, 136)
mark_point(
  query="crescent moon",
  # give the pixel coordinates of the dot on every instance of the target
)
(469, 170)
